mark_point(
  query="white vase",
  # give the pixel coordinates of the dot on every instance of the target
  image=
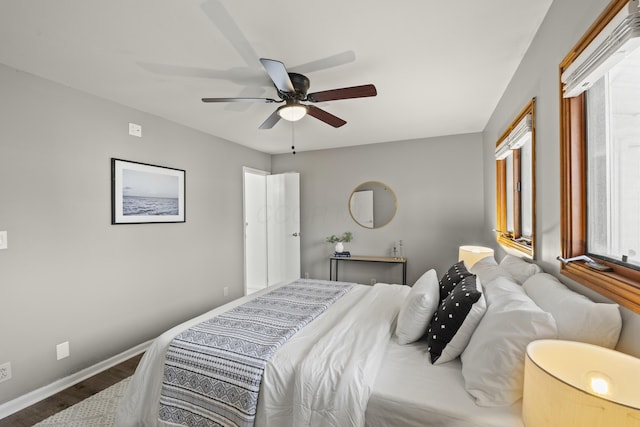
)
(339, 247)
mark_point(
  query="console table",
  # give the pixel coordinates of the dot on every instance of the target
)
(364, 258)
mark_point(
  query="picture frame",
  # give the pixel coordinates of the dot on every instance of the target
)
(142, 193)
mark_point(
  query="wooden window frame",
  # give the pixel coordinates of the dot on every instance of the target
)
(622, 285)
(503, 237)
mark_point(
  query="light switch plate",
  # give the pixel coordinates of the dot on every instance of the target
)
(3, 240)
(135, 130)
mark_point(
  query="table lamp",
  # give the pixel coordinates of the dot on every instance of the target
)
(573, 384)
(472, 254)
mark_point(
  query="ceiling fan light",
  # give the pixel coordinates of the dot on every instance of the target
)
(292, 113)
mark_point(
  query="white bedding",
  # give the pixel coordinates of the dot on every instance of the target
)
(411, 392)
(342, 369)
(325, 373)
(322, 375)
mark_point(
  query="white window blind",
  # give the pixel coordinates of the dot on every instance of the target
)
(521, 133)
(519, 136)
(503, 151)
(617, 40)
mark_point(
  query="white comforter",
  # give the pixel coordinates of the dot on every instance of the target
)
(323, 375)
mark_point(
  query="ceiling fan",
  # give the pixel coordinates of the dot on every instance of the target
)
(292, 90)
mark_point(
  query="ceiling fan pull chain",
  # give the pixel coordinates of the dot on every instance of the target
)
(293, 139)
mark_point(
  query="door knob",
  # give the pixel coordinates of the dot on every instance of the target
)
(296, 234)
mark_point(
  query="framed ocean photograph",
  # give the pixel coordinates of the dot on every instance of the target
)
(143, 193)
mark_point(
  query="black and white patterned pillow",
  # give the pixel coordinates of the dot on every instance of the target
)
(452, 277)
(455, 320)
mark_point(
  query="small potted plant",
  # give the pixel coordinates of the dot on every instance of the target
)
(346, 237)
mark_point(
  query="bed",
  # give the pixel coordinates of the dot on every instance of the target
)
(349, 366)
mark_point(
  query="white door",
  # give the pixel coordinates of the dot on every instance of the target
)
(271, 228)
(283, 227)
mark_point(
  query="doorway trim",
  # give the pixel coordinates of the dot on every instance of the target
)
(248, 170)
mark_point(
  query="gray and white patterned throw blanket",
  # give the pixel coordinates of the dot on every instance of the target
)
(213, 370)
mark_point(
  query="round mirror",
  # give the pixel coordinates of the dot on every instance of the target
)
(372, 204)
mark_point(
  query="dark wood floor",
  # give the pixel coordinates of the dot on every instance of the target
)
(72, 395)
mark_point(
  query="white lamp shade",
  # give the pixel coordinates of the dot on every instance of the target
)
(292, 112)
(573, 384)
(472, 254)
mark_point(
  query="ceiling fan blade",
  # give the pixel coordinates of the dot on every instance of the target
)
(324, 116)
(344, 93)
(271, 120)
(324, 63)
(244, 93)
(243, 76)
(278, 73)
(264, 100)
(221, 18)
(180, 71)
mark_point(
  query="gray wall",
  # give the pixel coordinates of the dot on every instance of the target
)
(537, 76)
(438, 184)
(68, 274)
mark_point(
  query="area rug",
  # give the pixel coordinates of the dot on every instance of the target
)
(98, 410)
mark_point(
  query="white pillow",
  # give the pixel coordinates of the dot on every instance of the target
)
(488, 269)
(455, 320)
(493, 362)
(519, 269)
(578, 318)
(418, 308)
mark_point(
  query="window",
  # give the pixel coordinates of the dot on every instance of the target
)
(613, 157)
(600, 154)
(515, 180)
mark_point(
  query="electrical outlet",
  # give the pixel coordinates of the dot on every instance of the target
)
(5, 372)
(306, 274)
(373, 281)
(3, 240)
(225, 291)
(62, 350)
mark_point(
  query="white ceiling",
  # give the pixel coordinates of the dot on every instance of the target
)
(440, 67)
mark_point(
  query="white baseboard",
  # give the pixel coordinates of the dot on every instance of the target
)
(35, 396)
